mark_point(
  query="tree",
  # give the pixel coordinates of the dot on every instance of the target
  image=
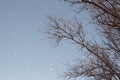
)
(103, 62)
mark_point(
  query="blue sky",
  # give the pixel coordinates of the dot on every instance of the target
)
(24, 54)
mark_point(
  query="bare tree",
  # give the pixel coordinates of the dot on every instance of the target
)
(103, 62)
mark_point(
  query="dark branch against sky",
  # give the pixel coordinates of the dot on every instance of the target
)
(24, 55)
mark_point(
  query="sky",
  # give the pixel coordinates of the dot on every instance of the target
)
(25, 54)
